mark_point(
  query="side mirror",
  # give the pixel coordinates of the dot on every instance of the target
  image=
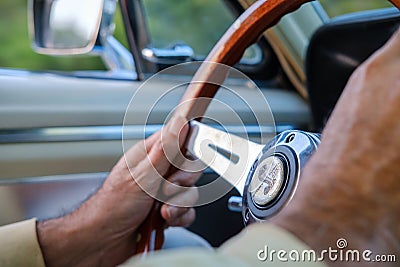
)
(64, 27)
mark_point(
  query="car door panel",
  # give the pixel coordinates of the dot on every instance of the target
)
(54, 124)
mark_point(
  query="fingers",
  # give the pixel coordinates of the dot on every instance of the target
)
(170, 213)
(186, 198)
(149, 160)
(178, 180)
(178, 207)
(185, 219)
(175, 216)
(161, 147)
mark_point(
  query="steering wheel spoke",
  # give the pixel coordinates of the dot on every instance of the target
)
(228, 155)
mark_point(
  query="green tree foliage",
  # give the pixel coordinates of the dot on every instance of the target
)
(199, 23)
(339, 7)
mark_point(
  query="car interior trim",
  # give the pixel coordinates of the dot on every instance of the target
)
(66, 178)
(58, 178)
(112, 133)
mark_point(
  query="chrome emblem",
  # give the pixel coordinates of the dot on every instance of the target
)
(267, 180)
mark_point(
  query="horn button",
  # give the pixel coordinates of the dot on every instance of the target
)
(268, 181)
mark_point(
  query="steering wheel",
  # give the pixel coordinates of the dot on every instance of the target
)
(245, 31)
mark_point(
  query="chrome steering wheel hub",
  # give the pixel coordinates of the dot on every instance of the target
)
(274, 175)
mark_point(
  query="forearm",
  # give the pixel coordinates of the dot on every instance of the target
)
(85, 237)
(67, 241)
(322, 213)
(332, 202)
(350, 187)
(102, 232)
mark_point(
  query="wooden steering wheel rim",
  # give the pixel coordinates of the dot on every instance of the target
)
(245, 31)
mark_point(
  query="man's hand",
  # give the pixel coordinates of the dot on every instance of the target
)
(351, 187)
(102, 231)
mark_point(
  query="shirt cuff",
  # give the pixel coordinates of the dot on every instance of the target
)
(263, 244)
(20, 246)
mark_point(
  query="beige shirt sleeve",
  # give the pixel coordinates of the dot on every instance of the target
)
(256, 245)
(19, 245)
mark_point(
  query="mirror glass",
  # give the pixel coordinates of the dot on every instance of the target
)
(66, 26)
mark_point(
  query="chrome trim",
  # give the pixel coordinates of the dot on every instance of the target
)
(235, 204)
(116, 56)
(55, 178)
(229, 155)
(114, 133)
(320, 10)
(176, 54)
(65, 178)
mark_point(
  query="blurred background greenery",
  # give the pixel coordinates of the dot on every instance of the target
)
(208, 19)
(185, 15)
(339, 7)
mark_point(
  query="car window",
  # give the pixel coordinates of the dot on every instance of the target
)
(16, 49)
(197, 23)
(340, 7)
